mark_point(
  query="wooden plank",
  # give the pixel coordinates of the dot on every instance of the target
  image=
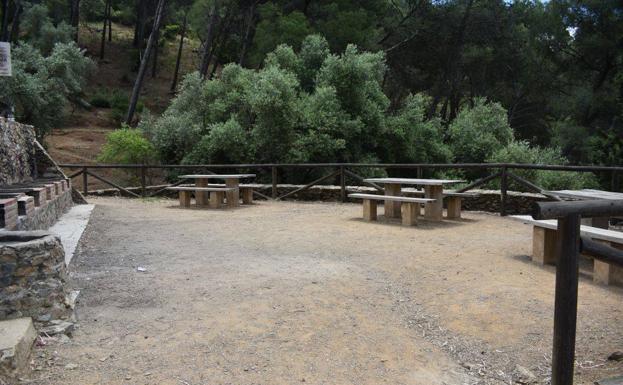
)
(587, 231)
(216, 176)
(421, 182)
(190, 188)
(389, 197)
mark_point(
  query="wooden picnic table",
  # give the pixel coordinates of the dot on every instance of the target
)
(231, 181)
(433, 189)
(588, 194)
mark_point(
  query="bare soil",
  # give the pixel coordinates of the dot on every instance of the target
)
(285, 293)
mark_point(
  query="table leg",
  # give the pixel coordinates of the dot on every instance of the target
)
(201, 197)
(434, 210)
(233, 197)
(392, 209)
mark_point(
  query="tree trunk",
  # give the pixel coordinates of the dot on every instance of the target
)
(139, 31)
(15, 27)
(154, 65)
(110, 24)
(5, 20)
(207, 45)
(103, 45)
(179, 54)
(143, 67)
(74, 17)
(246, 40)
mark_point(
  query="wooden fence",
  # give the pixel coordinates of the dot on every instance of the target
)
(502, 171)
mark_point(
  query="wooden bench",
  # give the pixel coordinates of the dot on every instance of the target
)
(453, 199)
(245, 191)
(410, 207)
(217, 194)
(545, 246)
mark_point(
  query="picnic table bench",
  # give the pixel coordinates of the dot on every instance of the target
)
(410, 208)
(217, 194)
(545, 246)
(232, 183)
(433, 189)
(454, 201)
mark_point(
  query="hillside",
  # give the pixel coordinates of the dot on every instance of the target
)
(83, 133)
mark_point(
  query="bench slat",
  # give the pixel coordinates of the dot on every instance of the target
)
(589, 231)
(391, 198)
(209, 189)
(445, 193)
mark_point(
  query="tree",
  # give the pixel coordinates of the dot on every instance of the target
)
(138, 83)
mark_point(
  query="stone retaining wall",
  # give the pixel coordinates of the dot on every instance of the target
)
(33, 277)
(488, 200)
(45, 216)
(17, 149)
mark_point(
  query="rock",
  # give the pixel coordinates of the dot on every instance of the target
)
(16, 339)
(71, 366)
(524, 376)
(57, 327)
(616, 356)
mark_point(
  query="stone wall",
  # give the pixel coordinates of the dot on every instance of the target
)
(46, 216)
(488, 200)
(17, 151)
(33, 276)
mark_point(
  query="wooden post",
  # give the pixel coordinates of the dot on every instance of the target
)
(410, 212)
(544, 245)
(185, 198)
(566, 303)
(247, 195)
(216, 198)
(143, 181)
(369, 210)
(434, 210)
(233, 197)
(85, 185)
(342, 184)
(454, 207)
(392, 208)
(274, 180)
(503, 188)
(201, 197)
(419, 172)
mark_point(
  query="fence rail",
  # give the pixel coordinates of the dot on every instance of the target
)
(502, 171)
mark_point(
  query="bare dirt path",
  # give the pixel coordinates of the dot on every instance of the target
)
(288, 293)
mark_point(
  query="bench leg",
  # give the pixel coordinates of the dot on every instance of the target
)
(233, 197)
(185, 198)
(454, 207)
(544, 245)
(392, 208)
(216, 198)
(247, 195)
(434, 210)
(606, 273)
(369, 210)
(410, 212)
(201, 197)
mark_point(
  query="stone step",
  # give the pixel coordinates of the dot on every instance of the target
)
(16, 339)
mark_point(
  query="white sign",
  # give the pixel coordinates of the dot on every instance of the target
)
(5, 59)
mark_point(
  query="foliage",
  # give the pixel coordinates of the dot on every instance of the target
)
(128, 146)
(478, 132)
(39, 30)
(522, 152)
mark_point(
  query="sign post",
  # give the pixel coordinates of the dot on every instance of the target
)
(5, 59)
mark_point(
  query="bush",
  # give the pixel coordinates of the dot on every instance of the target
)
(119, 103)
(522, 152)
(127, 146)
(101, 99)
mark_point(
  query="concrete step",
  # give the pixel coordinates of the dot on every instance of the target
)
(16, 339)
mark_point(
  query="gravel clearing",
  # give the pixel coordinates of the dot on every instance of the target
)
(290, 292)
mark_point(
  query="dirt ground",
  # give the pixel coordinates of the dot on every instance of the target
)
(287, 293)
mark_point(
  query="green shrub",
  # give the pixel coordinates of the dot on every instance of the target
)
(170, 31)
(522, 152)
(127, 146)
(101, 99)
(119, 103)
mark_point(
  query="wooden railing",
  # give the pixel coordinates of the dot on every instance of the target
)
(502, 171)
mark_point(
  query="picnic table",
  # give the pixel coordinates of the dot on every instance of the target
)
(433, 189)
(588, 194)
(232, 183)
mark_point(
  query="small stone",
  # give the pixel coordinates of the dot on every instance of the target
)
(524, 376)
(71, 366)
(57, 327)
(616, 356)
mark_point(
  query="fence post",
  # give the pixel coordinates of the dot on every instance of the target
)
(342, 184)
(419, 172)
(274, 180)
(85, 185)
(503, 188)
(614, 185)
(143, 180)
(566, 303)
